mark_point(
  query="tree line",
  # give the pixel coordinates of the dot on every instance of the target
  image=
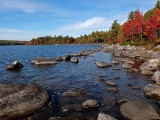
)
(137, 28)
(11, 42)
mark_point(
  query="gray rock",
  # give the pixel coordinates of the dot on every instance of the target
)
(115, 62)
(150, 65)
(102, 116)
(126, 66)
(147, 73)
(138, 110)
(156, 77)
(103, 64)
(44, 61)
(158, 46)
(19, 100)
(74, 60)
(14, 66)
(126, 60)
(91, 103)
(66, 57)
(152, 91)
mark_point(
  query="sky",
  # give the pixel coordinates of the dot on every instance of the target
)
(27, 19)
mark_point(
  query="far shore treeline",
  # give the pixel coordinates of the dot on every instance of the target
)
(138, 29)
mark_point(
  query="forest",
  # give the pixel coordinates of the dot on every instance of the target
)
(12, 42)
(137, 29)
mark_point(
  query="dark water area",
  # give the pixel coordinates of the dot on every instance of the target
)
(84, 76)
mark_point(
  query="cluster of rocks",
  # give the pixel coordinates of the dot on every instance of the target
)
(151, 67)
(73, 58)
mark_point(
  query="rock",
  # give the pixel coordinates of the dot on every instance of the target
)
(150, 65)
(103, 64)
(156, 77)
(116, 69)
(115, 62)
(152, 91)
(122, 101)
(14, 66)
(138, 110)
(135, 88)
(84, 53)
(73, 93)
(126, 60)
(76, 54)
(55, 118)
(74, 60)
(66, 57)
(112, 84)
(102, 116)
(158, 46)
(59, 59)
(91, 103)
(147, 73)
(44, 61)
(112, 89)
(126, 66)
(19, 100)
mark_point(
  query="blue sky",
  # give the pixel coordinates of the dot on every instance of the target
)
(26, 19)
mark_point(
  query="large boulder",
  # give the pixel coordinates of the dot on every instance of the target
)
(150, 65)
(138, 110)
(102, 116)
(103, 64)
(152, 91)
(19, 100)
(156, 77)
(44, 61)
(14, 66)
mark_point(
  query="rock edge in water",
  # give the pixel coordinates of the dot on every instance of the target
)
(19, 100)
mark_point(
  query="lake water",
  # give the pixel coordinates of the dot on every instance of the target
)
(84, 76)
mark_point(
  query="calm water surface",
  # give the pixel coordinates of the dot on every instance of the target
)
(84, 76)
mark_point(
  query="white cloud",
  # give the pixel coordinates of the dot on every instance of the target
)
(92, 23)
(22, 5)
(14, 34)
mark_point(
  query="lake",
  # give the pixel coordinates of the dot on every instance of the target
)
(84, 76)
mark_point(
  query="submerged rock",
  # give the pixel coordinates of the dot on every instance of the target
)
(103, 64)
(102, 116)
(14, 66)
(19, 100)
(112, 89)
(111, 83)
(73, 93)
(91, 103)
(156, 77)
(138, 110)
(152, 91)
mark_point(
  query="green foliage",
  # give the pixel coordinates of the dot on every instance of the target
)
(10, 42)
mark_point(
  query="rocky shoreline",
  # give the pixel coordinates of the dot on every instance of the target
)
(134, 59)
